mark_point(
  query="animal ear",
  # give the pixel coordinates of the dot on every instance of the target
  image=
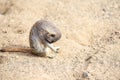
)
(48, 34)
(47, 37)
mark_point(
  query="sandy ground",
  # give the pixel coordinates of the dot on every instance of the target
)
(90, 43)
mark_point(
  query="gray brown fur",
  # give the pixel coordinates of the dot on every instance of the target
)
(42, 35)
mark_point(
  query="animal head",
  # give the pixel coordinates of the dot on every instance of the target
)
(52, 37)
(48, 31)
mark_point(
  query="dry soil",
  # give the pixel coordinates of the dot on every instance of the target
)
(89, 47)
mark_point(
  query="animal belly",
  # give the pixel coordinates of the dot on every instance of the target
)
(37, 45)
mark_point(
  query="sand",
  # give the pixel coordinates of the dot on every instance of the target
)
(89, 47)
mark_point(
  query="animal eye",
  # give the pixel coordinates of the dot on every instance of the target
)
(53, 35)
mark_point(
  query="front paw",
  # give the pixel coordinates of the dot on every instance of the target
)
(57, 49)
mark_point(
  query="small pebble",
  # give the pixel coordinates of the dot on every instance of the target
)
(20, 31)
(4, 31)
(85, 75)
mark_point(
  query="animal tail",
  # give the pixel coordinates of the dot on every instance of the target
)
(16, 49)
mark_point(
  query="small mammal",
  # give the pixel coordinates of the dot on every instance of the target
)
(42, 34)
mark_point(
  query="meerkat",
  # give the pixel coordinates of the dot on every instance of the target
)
(42, 34)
